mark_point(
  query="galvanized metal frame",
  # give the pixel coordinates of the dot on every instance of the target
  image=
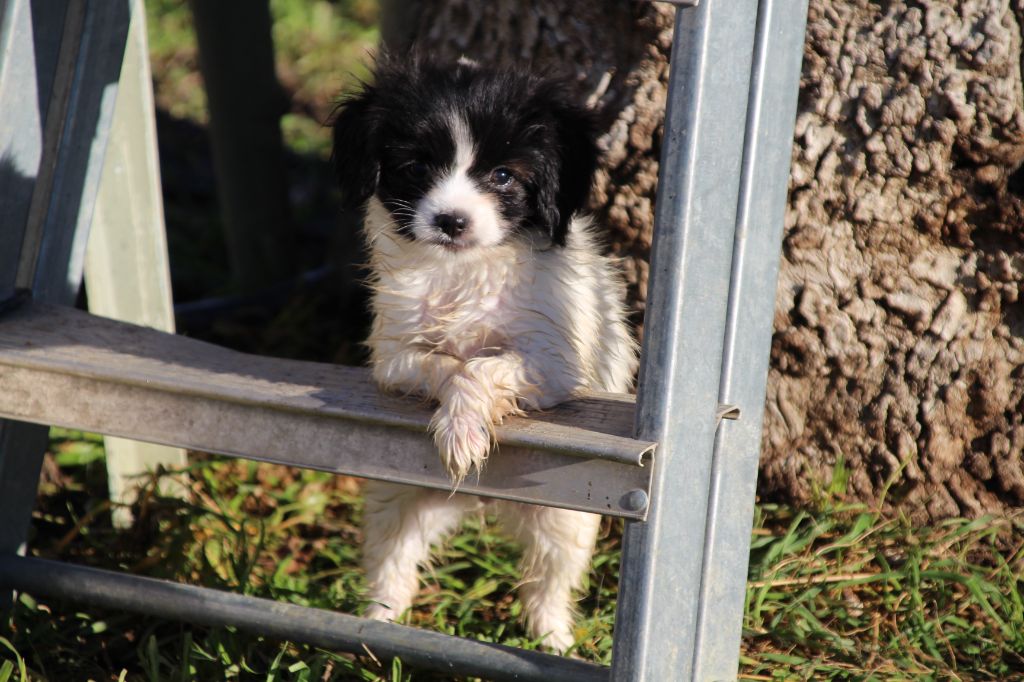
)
(771, 112)
(721, 198)
(143, 384)
(336, 631)
(59, 66)
(74, 144)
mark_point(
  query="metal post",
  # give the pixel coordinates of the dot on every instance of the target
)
(728, 134)
(30, 44)
(28, 54)
(74, 145)
(59, 66)
(775, 76)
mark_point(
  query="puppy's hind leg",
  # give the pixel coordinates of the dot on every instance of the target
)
(557, 547)
(400, 523)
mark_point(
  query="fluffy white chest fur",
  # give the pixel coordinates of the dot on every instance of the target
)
(558, 311)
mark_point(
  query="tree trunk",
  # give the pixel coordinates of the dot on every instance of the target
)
(898, 341)
(236, 57)
(898, 347)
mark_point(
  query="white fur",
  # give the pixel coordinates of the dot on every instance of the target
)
(488, 332)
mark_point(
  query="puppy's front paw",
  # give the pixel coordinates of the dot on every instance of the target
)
(462, 429)
(463, 441)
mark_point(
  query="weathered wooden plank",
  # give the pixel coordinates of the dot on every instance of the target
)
(139, 383)
(127, 274)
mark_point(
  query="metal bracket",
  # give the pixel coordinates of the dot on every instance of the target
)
(726, 411)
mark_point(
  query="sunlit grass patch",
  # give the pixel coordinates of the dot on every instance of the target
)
(847, 595)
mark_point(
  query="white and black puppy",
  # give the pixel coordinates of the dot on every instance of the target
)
(489, 296)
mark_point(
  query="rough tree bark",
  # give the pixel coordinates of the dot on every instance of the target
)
(898, 339)
(899, 334)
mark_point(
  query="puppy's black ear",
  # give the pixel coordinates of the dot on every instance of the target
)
(354, 152)
(576, 142)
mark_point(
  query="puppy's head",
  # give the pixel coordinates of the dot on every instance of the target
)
(462, 156)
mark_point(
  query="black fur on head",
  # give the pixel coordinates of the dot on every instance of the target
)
(395, 139)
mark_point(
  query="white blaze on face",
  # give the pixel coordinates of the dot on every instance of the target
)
(456, 192)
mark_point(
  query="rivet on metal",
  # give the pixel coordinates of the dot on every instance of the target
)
(634, 500)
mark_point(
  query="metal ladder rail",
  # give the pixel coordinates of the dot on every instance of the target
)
(60, 62)
(720, 211)
(696, 33)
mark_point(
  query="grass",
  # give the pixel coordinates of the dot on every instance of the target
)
(843, 594)
(833, 594)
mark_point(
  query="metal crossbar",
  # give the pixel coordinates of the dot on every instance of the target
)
(725, 160)
(335, 631)
(144, 384)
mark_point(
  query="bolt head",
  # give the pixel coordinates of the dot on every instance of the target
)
(634, 500)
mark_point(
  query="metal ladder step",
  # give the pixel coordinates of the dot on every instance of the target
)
(64, 367)
(335, 631)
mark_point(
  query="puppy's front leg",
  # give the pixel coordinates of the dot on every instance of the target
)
(419, 371)
(473, 400)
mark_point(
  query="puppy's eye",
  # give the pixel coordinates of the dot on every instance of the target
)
(502, 177)
(416, 169)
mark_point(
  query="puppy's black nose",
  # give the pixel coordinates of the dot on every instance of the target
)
(452, 224)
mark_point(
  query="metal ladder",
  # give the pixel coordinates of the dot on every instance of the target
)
(683, 479)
